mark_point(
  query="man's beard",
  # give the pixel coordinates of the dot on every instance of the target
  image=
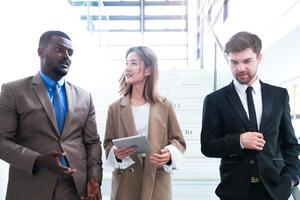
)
(57, 69)
(244, 81)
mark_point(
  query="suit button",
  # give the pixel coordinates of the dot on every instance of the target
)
(252, 162)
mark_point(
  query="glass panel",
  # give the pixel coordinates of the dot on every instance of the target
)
(108, 10)
(159, 10)
(123, 1)
(164, 24)
(165, 0)
(119, 25)
(119, 10)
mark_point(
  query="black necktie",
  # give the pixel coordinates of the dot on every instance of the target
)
(251, 110)
(253, 127)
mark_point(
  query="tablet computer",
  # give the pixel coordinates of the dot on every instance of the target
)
(138, 142)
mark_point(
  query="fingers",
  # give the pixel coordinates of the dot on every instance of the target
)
(121, 153)
(93, 191)
(68, 171)
(164, 151)
(259, 135)
(252, 140)
(58, 154)
(160, 159)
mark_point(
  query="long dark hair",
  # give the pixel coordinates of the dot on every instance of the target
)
(149, 58)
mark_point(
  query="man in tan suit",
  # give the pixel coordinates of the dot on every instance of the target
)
(54, 151)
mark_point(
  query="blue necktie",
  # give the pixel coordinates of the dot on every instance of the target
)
(59, 108)
(60, 112)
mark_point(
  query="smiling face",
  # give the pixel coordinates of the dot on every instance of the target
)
(56, 57)
(135, 71)
(244, 65)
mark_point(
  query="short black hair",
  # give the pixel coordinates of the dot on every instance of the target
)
(46, 36)
(242, 41)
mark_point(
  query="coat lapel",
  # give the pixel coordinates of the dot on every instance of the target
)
(157, 122)
(236, 104)
(267, 101)
(127, 116)
(41, 92)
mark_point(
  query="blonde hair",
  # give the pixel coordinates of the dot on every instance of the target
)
(150, 60)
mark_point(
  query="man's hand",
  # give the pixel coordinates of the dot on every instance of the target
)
(160, 159)
(122, 153)
(50, 161)
(252, 140)
(93, 191)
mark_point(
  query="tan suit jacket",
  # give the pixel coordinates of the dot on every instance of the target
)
(143, 181)
(28, 128)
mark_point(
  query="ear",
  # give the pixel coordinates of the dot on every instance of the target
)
(259, 58)
(40, 51)
(147, 71)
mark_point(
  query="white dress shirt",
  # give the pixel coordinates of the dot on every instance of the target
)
(257, 98)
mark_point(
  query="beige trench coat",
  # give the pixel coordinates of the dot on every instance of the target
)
(143, 181)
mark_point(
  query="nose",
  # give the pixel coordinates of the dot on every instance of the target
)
(66, 54)
(240, 67)
(127, 67)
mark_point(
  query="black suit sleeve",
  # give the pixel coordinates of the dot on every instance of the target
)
(214, 142)
(289, 144)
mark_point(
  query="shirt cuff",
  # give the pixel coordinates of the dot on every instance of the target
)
(112, 160)
(176, 157)
(241, 143)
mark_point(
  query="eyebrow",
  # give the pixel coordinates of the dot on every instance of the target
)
(63, 45)
(247, 59)
(132, 60)
(235, 61)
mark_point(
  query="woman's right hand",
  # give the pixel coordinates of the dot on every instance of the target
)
(122, 153)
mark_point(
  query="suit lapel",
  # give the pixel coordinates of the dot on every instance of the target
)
(267, 101)
(71, 108)
(127, 116)
(41, 92)
(236, 104)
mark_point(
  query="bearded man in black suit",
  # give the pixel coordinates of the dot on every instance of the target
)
(248, 125)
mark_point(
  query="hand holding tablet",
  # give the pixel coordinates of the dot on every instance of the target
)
(138, 142)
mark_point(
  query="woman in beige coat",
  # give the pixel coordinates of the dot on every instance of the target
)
(141, 111)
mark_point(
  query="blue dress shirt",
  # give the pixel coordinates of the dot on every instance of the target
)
(49, 83)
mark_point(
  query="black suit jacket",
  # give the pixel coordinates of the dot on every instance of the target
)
(224, 119)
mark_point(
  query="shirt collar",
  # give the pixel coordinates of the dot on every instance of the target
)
(49, 82)
(241, 88)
